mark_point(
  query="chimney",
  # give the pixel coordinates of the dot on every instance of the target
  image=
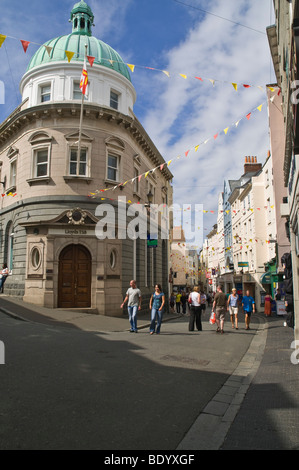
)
(251, 165)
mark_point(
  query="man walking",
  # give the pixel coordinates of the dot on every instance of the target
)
(219, 307)
(133, 297)
(248, 305)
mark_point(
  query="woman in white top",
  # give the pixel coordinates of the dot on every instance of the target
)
(195, 310)
(4, 274)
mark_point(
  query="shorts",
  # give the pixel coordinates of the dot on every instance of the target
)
(220, 313)
(233, 310)
(247, 313)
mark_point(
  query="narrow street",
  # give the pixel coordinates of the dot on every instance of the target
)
(64, 388)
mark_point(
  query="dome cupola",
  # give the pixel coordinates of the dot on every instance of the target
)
(82, 18)
(52, 76)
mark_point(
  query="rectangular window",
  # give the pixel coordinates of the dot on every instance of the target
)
(114, 100)
(136, 181)
(77, 93)
(113, 168)
(41, 167)
(45, 93)
(13, 173)
(78, 167)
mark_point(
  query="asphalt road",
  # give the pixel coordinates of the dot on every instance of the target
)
(65, 388)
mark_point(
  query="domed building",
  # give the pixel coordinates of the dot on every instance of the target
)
(58, 148)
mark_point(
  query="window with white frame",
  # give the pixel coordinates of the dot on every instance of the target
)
(41, 163)
(113, 167)
(13, 173)
(78, 166)
(114, 99)
(77, 92)
(45, 93)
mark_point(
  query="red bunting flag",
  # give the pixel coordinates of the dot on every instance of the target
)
(215, 136)
(186, 153)
(248, 116)
(25, 45)
(198, 78)
(91, 60)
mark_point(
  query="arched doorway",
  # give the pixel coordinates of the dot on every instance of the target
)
(74, 277)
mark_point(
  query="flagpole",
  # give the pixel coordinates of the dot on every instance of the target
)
(81, 119)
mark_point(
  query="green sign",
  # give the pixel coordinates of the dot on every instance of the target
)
(243, 264)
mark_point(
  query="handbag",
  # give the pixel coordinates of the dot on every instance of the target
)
(190, 300)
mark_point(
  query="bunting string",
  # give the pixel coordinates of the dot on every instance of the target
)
(132, 67)
(185, 154)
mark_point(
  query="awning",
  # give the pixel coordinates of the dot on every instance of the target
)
(266, 278)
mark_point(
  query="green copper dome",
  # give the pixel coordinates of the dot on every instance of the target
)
(54, 50)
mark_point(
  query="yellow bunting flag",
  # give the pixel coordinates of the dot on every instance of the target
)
(2, 39)
(235, 85)
(259, 107)
(196, 148)
(131, 67)
(69, 55)
(168, 163)
(146, 174)
(225, 130)
(182, 75)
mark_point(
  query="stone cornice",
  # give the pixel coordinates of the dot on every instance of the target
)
(20, 118)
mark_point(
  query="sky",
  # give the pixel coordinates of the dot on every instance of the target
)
(221, 42)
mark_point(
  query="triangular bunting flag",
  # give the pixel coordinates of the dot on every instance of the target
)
(25, 45)
(259, 107)
(161, 166)
(146, 174)
(69, 55)
(235, 85)
(186, 153)
(166, 73)
(182, 75)
(198, 78)
(225, 130)
(196, 148)
(248, 116)
(212, 81)
(49, 50)
(215, 136)
(2, 39)
(168, 163)
(246, 86)
(90, 60)
(139, 178)
(131, 67)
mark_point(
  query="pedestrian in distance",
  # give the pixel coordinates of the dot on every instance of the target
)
(134, 299)
(268, 305)
(178, 302)
(156, 305)
(172, 302)
(184, 302)
(232, 307)
(248, 305)
(195, 310)
(219, 307)
(3, 276)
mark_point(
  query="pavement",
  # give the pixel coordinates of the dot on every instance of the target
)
(257, 408)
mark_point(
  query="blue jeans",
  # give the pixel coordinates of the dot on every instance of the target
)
(133, 317)
(156, 313)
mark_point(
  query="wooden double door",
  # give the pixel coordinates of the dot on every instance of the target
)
(74, 277)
